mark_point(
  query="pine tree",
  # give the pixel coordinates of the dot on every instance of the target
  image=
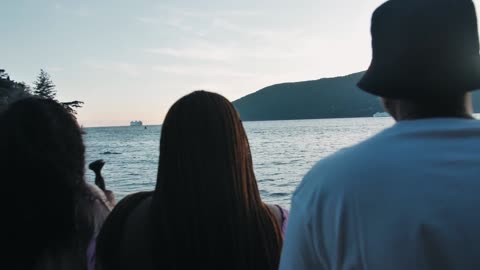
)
(3, 74)
(25, 87)
(5, 79)
(72, 106)
(10, 90)
(44, 87)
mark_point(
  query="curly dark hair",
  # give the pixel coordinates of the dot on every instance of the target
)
(42, 161)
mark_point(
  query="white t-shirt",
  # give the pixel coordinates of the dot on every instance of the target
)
(408, 198)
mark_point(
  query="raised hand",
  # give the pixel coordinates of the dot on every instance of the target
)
(97, 165)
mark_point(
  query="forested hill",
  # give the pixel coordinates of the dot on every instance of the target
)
(325, 98)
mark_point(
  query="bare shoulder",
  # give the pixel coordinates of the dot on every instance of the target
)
(276, 212)
(96, 192)
(106, 197)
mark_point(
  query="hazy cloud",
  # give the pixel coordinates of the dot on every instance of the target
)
(187, 20)
(203, 53)
(148, 20)
(54, 69)
(221, 52)
(118, 67)
(201, 71)
(73, 11)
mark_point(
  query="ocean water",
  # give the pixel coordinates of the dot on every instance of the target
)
(283, 152)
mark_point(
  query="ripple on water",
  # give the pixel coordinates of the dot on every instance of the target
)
(283, 152)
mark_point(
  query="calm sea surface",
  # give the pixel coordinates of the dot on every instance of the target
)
(283, 152)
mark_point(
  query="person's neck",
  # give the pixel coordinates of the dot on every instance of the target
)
(408, 116)
(455, 107)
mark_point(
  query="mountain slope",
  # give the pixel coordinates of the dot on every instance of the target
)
(325, 98)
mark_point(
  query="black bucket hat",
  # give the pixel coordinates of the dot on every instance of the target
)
(423, 48)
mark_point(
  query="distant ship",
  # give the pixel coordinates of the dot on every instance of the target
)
(136, 123)
(381, 114)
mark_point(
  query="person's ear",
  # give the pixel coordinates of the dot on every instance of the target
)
(469, 103)
(390, 106)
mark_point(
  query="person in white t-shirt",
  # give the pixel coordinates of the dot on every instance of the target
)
(409, 197)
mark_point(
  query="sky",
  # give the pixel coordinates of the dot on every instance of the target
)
(131, 60)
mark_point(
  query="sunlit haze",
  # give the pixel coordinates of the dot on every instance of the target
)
(130, 60)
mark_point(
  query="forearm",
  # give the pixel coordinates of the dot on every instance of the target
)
(99, 181)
